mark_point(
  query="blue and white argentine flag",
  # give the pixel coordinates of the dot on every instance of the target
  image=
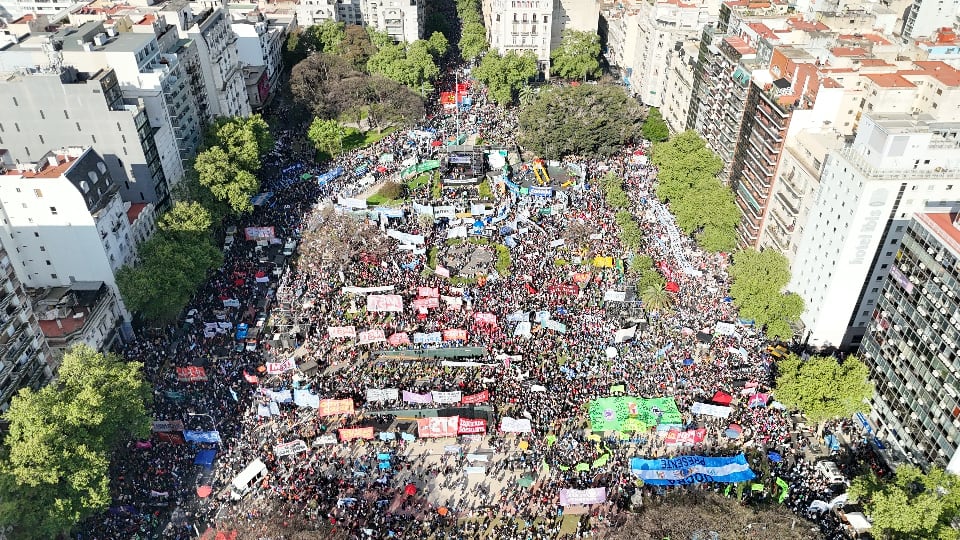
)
(692, 470)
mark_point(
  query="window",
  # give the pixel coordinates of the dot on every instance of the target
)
(38, 193)
(53, 276)
(53, 210)
(49, 263)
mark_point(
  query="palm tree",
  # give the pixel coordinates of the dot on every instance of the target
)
(656, 298)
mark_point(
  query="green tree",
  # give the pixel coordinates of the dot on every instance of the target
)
(654, 128)
(584, 120)
(616, 197)
(578, 56)
(245, 140)
(640, 263)
(631, 236)
(651, 278)
(438, 45)
(683, 162)
(327, 135)
(655, 298)
(504, 76)
(912, 504)
(758, 279)
(55, 471)
(473, 41)
(326, 37)
(186, 217)
(226, 180)
(411, 65)
(228, 166)
(357, 46)
(822, 387)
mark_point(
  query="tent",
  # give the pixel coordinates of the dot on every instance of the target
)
(205, 458)
(722, 398)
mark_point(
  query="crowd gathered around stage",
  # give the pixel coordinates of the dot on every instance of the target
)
(347, 401)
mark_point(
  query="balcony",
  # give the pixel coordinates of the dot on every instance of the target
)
(790, 205)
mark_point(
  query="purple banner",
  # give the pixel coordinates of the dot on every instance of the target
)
(898, 276)
(410, 397)
(577, 497)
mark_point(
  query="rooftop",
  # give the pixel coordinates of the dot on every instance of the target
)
(739, 45)
(134, 211)
(850, 52)
(942, 225)
(890, 80)
(799, 23)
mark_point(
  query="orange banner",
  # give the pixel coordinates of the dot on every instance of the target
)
(455, 334)
(330, 407)
(437, 426)
(350, 434)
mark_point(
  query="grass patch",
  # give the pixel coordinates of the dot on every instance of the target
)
(389, 194)
(504, 261)
(418, 181)
(355, 139)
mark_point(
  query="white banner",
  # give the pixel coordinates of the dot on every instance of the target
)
(290, 448)
(710, 410)
(557, 243)
(383, 394)
(614, 296)
(457, 232)
(726, 329)
(384, 303)
(325, 439)
(352, 203)
(624, 334)
(478, 457)
(456, 363)
(366, 290)
(515, 425)
(274, 368)
(446, 397)
(444, 211)
(453, 302)
(341, 332)
(404, 238)
(371, 336)
(523, 329)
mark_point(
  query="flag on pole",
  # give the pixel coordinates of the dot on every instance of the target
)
(233, 394)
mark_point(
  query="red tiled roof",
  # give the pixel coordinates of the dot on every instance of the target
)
(890, 80)
(134, 211)
(67, 326)
(849, 51)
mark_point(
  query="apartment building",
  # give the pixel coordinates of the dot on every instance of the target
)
(925, 17)
(537, 25)
(911, 345)
(260, 43)
(678, 84)
(402, 20)
(898, 164)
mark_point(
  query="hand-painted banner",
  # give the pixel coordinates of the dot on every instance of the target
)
(348, 434)
(685, 470)
(486, 318)
(576, 497)
(446, 397)
(481, 397)
(437, 426)
(433, 337)
(471, 426)
(555, 326)
(341, 332)
(290, 448)
(163, 426)
(693, 436)
(331, 407)
(399, 338)
(426, 303)
(428, 292)
(628, 413)
(371, 336)
(411, 397)
(202, 436)
(710, 410)
(453, 302)
(515, 425)
(384, 303)
(384, 394)
(274, 368)
(259, 233)
(455, 334)
(191, 374)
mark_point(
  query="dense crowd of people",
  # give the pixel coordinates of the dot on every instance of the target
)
(495, 484)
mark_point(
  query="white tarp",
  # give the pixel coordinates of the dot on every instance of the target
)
(614, 296)
(710, 410)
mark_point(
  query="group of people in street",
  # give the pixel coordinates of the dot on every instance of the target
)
(529, 348)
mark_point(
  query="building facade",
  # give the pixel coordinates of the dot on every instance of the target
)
(925, 17)
(897, 165)
(911, 345)
(402, 20)
(520, 26)
(260, 45)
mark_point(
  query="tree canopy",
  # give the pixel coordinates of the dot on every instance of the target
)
(578, 56)
(594, 120)
(910, 505)
(702, 205)
(229, 164)
(822, 387)
(327, 135)
(412, 65)
(654, 128)
(57, 449)
(473, 35)
(505, 75)
(758, 279)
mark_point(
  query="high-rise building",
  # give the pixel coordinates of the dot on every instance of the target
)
(898, 165)
(912, 344)
(925, 17)
(402, 20)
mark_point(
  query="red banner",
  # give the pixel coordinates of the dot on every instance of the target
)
(481, 397)
(426, 303)
(400, 338)
(581, 277)
(437, 426)
(191, 374)
(486, 318)
(331, 407)
(693, 436)
(428, 292)
(470, 426)
(348, 434)
(455, 334)
(172, 438)
(252, 379)
(564, 288)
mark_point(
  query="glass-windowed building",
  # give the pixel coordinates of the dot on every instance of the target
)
(911, 345)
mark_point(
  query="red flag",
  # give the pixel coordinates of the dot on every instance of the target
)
(252, 379)
(530, 289)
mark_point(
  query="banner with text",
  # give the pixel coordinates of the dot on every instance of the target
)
(331, 407)
(576, 497)
(437, 426)
(685, 470)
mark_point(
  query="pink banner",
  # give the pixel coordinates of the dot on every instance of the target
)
(579, 497)
(384, 302)
(331, 407)
(191, 374)
(400, 338)
(341, 332)
(428, 292)
(481, 397)
(693, 436)
(486, 318)
(442, 272)
(411, 397)
(371, 336)
(437, 426)
(355, 433)
(426, 303)
(455, 334)
(470, 426)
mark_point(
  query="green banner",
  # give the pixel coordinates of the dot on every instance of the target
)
(618, 389)
(756, 487)
(582, 467)
(784, 489)
(628, 413)
(600, 461)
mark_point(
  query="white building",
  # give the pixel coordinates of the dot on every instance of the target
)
(898, 165)
(925, 17)
(260, 44)
(402, 20)
(678, 85)
(520, 26)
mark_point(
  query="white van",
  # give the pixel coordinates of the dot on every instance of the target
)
(831, 472)
(241, 483)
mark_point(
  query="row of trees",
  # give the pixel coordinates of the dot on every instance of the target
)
(56, 454)
(473, 35)
(687, 179)
(413, 65)
(578, 56)
(175, 261)
(757, 289)
(506, 76)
